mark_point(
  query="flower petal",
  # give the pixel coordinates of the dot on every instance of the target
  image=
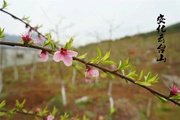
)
(50, 117)
(43, 55)
(58, 56)
(71, 53)
(67, 60)
(93, 73)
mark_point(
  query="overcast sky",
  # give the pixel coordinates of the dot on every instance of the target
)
(89, 20)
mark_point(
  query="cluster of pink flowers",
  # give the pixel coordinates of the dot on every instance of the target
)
(63, 54)
(27, 37)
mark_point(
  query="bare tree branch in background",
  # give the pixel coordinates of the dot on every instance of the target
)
(112, 28)
(95, 35)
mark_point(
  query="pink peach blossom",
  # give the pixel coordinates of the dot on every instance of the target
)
(90, 73)
(39, 39)
(27, 37)
(50, 117)
(65, 55)
(44, 55)
(35, 28)
(174, 90)
(37, 110)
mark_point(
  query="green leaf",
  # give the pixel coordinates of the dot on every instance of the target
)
(124, 65)
(3, 114)
(30, 112)
(148, 76)
(144, 83)
(103, 75)
(4, 4)
(52, 45)
(12, 112)
(31, 43)
(43, 112)
(24, 110)
(26, 19)
(54, 111)
(49, 37)
(153, 79)
(85, 118)
(96, 59)
(106, 56)
(127, 61)
(123, 72)
(21, 41)
(2, 33)
(176, 97)
(119, 66)
(19, 105)
(3, 103)
(99, 52)
(110, 75)
(82, 56)
(141, 75)
(132, 75)
(47, 42)
(108, 62)
(112, 111)
(64, 117)
(161, 98)
(69, 44)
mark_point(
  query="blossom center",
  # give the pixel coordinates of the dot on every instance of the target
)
(26, 38)
(63, 51)
(88, 68)
(43, 52)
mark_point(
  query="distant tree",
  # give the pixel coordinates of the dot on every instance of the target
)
(112, 28)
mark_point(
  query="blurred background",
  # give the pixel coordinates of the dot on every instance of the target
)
(126, 27)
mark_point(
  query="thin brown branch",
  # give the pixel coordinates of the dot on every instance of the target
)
(26, 24)
(154, 92)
